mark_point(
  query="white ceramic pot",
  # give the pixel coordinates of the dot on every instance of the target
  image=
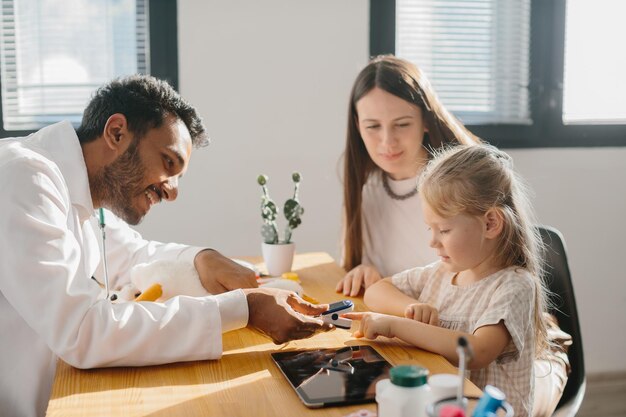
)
(278, 257)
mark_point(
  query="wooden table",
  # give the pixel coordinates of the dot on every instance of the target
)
(245, 382)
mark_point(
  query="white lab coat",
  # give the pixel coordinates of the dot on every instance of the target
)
(51, 308)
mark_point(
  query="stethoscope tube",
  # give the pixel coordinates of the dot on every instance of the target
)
(104, 251)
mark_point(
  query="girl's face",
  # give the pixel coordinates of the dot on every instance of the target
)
(462, 242)
(392, 130)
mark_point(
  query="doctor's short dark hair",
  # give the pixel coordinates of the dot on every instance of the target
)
(145, 101)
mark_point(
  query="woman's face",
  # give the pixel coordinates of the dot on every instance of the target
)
(392, 130)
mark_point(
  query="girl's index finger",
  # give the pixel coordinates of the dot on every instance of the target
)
(353, 316)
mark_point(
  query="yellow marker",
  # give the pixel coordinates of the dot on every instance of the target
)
(151, 294)
(291, 276)
(310, 299)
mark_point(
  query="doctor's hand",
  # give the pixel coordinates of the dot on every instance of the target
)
(283, 316)
(360, 276)
(219, 274)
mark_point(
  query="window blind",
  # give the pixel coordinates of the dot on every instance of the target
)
(55, 53)
(475, 53)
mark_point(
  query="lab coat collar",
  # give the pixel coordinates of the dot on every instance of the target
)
(61, 143)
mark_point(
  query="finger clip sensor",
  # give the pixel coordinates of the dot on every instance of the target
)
(335, 310)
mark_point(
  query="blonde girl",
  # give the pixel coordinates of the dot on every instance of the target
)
(486, 284)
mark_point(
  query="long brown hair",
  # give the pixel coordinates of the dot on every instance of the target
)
(475, 179)
(405, 80)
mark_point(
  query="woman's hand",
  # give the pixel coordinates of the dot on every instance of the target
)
(360, 276)
(421, 312)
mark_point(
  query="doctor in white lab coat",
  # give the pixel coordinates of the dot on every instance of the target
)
(134, 143)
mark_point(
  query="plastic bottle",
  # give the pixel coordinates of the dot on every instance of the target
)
(405, 394)
(492, 400)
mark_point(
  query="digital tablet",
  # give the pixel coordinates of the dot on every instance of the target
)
(331, 377)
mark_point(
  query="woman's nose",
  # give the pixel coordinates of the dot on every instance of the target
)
(387, 136)
(170, 189)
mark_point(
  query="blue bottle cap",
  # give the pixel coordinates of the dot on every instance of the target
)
(489, 403)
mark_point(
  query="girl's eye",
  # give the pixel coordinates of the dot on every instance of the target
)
(169, 162)
(372, 127)
(444, 231)
(403, 125)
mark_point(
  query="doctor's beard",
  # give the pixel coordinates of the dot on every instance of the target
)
(118, 183)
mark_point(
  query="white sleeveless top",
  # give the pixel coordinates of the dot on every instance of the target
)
(395, 236)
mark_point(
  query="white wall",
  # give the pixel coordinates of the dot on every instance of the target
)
(581, 192)
(272, 79)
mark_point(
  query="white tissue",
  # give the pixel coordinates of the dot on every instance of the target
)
(175, 277)
(283, 284)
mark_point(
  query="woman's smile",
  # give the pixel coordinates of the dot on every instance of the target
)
(391, 156)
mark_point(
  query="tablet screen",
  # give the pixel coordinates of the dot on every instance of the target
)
(325, 377)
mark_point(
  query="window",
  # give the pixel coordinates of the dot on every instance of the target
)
(55, 53)
(465, 48)
(594, 87)
(519, 73)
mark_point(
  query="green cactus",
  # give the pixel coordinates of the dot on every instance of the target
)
(269, 212)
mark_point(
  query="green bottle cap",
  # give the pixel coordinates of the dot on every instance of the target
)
(408, 375)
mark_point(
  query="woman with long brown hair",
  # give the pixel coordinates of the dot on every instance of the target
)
(395, 122)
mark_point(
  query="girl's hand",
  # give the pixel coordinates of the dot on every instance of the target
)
(421, 312)
(372, 324)
(361, 276)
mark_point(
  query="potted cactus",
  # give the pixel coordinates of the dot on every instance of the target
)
(278, 253)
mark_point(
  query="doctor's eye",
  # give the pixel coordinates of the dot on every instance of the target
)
(169, 163)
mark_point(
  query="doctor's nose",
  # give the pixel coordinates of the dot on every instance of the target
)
(170, 189)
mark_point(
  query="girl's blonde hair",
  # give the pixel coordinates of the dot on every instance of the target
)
(475, 179)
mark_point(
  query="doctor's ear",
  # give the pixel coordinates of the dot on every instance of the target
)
(494, 222)
(116, 132)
